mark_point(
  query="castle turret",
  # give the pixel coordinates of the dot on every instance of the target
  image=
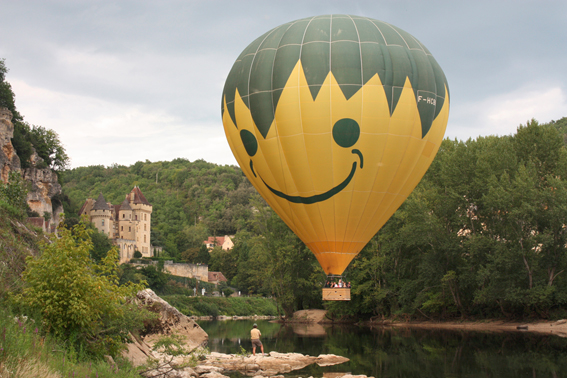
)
(127, 224)
(142, 217)
(101, 216)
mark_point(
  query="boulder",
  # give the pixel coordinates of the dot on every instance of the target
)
(170, 321)
(266, 365)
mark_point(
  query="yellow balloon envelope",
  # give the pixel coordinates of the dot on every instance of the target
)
(335, 119)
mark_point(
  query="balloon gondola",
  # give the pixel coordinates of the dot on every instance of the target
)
(335, 119)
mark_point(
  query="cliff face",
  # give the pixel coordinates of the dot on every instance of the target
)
(9, 161)
(43, 182)
(44, 186)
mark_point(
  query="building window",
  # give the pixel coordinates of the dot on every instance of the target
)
(123, 215)
(144, 238)
(129, 229)
(144, 227)
(121, 228)
(145, 216)
(136, 217)
(103, 222)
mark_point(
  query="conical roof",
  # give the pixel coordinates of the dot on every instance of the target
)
(125, 204)
(138, 197)
(100, 203)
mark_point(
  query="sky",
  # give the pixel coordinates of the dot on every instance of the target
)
(128, 81)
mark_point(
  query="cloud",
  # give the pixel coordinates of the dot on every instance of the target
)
(109, 133)
(503, 113)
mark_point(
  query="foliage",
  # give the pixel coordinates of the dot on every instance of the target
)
(7, 97)
(27, 351)
(79, 299)
(13, 196)
(28, 137)
(214, 306)
(101, 244)
(191, 200)
(285, 276)
(483, 235)
(156, 278)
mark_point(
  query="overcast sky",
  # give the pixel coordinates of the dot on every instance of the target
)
(123, 81)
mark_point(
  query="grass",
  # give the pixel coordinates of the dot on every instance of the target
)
(214, 306)
(26, 352)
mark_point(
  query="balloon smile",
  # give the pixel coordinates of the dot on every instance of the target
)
(318, 197)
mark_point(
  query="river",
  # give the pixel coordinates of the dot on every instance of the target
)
(402, 353)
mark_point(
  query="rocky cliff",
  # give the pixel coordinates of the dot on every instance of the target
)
(9, 161)
(44, 184)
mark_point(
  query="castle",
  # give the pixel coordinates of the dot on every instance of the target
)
(127, 225)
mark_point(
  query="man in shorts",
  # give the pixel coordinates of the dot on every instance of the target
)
(255, 337)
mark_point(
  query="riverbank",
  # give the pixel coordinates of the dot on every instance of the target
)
(214, 307)
(558, 327)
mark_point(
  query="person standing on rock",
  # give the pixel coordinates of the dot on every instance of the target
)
(255, 337)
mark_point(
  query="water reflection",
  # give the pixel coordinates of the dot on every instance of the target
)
(400, 353)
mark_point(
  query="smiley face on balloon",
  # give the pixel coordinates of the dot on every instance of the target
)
(334, 120)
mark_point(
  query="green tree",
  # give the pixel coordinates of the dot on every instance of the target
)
(7, 97)
(156, 278)
(13, 195)
(203, 256)
(48, 146)
(292, 274)
(80, 300)
(101, 244)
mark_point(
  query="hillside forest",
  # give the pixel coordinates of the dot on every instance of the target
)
(483, 235)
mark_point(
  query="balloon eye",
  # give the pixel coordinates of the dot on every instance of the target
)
(249, 141)
(346, 132)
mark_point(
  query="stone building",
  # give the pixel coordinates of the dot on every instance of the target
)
(127, 225)
(225, 242)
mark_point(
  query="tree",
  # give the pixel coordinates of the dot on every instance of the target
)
(13, 195)
(156, 278)
(203, 256)
(101, 244)
(291, 274)
(49, 148)
(7, 97)
(80, 300)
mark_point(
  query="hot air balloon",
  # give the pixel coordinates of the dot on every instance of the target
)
(335, 119)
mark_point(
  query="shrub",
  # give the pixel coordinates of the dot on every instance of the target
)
(79, 299)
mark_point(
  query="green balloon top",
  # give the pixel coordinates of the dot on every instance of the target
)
(353, 48)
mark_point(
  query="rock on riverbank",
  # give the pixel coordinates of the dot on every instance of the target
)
(267, 365)
(170, 321)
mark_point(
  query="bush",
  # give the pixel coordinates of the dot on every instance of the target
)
(13, 196)
(137, 255)
(214, 306)
(28, 352)
(79, 299)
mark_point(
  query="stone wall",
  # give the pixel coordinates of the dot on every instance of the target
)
(200, 272)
